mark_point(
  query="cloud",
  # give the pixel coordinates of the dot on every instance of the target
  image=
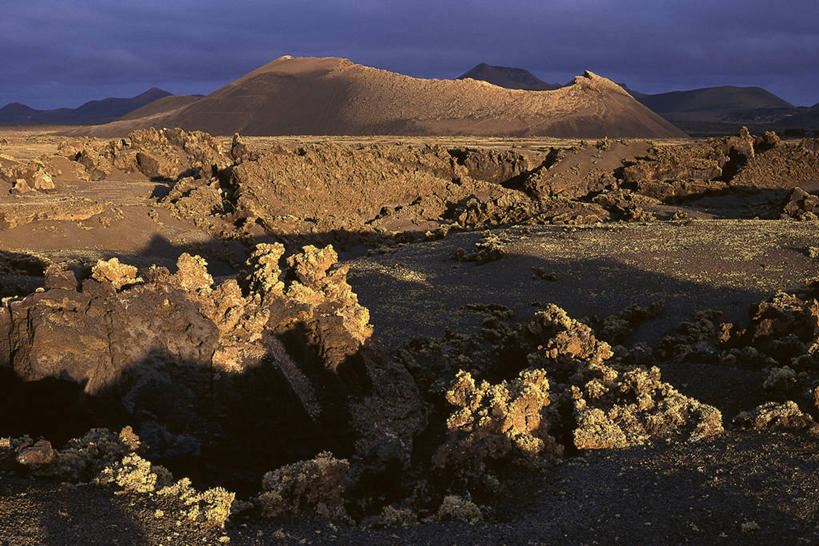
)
(59, 52)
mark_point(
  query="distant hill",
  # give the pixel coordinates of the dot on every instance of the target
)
(802, 121)
(723, 110)
(510, 78)
(333, 96)
(90, 113)
(715, 100)
(636, 94)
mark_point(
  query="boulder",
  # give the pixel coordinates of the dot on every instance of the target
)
(38, 453)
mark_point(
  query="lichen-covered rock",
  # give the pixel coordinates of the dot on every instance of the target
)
(192, 273)
(212, 505)
(392, 516)
(458, 508)
(612, 407)
(495, 425)
(594, 401)
(83, 458)
(135, 474)
(323, 302)
(216, 505)
(784, 327)
(264, 277)
(697, 340)
(116, 273)
(775, 416)
(315, 486)
(782, 340)
(781, 379)
(488, 249)
(567, 348)
(636, 407)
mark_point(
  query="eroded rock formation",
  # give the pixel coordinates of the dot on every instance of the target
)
(180, 352)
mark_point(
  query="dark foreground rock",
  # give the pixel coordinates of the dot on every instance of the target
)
(272, 366)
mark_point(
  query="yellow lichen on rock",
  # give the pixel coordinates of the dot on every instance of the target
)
(772, 416)
(457, 508)
(314, 486)
(192, 274)
(116, 273)
(135, 474)
(636, 407)
(264, 277)
(493, 423)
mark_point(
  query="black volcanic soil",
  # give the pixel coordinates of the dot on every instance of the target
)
(598, 270)
(686, 493)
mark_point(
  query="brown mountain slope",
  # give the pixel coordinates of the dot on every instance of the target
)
(162, 106)
(333, 96)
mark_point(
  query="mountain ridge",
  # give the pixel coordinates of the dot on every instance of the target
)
(91, 112)
(334, 96)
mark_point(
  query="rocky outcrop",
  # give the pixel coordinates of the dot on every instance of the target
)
(801, 205)
(616, 328)
(671, 172)
(176, 349)
(627, 205)
(510, 209)
(162, 154)
(34, 175)
(37, 454)
(489, 249)
(559, 176)
(674, 172)
(774, 416)
(498, 167)
(495, 425)
(784, 328)
(636, 407)
(571, 393)
(696, 340)
(781, 340)
(315, 486)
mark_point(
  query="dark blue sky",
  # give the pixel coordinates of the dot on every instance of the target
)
(64, 52)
